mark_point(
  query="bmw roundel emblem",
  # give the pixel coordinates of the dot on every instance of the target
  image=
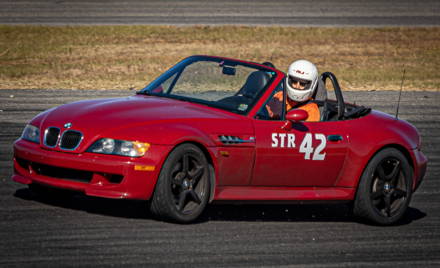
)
(68, 125)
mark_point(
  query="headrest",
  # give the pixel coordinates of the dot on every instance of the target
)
(255, 82)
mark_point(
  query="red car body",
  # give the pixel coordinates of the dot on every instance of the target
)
(269, 166)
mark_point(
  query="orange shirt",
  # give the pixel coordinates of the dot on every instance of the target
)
(311, 108)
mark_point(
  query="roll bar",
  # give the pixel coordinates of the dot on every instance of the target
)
(338, 93)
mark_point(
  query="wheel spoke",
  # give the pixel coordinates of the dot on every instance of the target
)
(391, 164)
(182, 199)
(177, 180)
(394, 174)
(196, 174)
(388, 205)
(195, 197)
(176, 168)
(380, 172)
(185, 163)
(399, 193)
(376, 195)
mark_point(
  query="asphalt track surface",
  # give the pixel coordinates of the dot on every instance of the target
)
(244, 12)
(83, 231)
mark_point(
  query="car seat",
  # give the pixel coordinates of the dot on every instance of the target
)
(255, 82)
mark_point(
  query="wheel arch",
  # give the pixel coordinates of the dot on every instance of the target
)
(404, 151)
(396, 146)
(407, 156)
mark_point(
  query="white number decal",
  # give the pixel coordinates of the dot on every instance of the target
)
(317, 155)
(288, 140)
(306, 146)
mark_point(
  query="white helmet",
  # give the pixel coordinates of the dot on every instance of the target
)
(307, 74)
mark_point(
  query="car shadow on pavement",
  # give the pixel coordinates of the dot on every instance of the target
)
(302, 212)
(76, 201)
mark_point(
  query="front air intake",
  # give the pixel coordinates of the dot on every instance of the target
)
(70, 140)
(51, 136)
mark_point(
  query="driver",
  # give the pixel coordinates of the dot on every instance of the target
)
(301, 84)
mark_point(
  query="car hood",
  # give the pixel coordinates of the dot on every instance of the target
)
(126, 117)
(104, 113)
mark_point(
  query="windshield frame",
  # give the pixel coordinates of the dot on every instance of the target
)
(179, 68)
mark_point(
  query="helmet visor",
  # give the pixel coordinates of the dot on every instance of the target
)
(298, 83)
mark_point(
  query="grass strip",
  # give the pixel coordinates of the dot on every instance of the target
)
(128, 57)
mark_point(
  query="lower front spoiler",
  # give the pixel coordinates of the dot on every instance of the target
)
(94, 175)
(108, 191)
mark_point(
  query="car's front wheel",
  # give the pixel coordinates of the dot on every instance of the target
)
(385, 188)
(182, 190)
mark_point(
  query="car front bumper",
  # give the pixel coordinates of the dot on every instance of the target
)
(93, 174)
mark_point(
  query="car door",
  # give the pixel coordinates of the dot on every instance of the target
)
(306, 155)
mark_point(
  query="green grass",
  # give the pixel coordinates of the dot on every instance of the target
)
(122, 57)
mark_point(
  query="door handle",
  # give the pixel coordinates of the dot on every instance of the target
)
(334, 138)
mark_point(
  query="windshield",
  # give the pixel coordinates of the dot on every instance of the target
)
(215, 82)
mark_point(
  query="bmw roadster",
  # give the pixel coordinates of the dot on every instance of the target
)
(201, 133)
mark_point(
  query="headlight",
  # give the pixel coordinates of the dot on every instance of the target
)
(119, 147)
(31, 133)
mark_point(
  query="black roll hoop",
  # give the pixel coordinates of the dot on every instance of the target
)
(338, 92)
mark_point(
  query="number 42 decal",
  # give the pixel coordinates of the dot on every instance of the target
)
(306, 147)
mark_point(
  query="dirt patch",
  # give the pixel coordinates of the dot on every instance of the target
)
(122, 57)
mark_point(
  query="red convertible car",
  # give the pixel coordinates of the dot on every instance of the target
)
(201, 133)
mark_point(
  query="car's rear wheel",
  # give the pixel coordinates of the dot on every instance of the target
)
(182, 190)
(385, 188)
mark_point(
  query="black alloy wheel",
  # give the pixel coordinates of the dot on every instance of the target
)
(385, 188)
(186, 175)
(389, 190)
(182, 190)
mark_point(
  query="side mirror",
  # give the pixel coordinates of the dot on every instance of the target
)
(297, 115)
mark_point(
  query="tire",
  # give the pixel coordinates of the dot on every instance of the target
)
(183, 187)
(385, 188)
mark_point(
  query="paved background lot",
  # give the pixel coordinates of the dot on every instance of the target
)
(77, 230)
(258, 12)
(89, 231)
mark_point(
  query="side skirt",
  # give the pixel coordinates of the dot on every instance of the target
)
(254, 193)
